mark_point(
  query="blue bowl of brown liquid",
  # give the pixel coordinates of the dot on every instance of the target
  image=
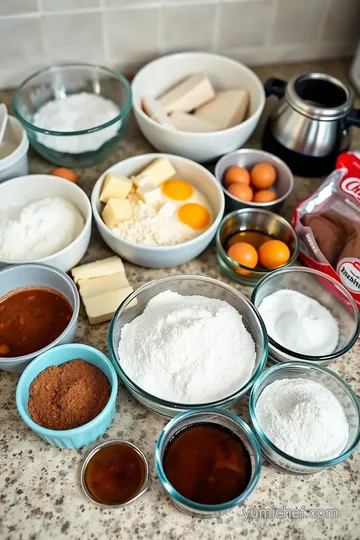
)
(208, 462)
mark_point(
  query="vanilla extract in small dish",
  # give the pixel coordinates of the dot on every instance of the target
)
(207, 463)
(115, 473)
(255, 238)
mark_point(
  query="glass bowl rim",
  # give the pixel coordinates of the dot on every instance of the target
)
(306, 357)
(61, 65)
(303, 366)
(266, 271)
(163, 402)
(172, 492)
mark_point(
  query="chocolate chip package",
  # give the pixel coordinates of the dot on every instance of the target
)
(328, 225)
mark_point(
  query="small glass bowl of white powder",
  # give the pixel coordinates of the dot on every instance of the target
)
(306, 418)
(189, 342)
(74, 114)
(309, 316)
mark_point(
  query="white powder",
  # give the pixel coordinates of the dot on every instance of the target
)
(150, 226)
(39, 229)
(77, 112)
(303, 419)
(187, 349)
(299, 323)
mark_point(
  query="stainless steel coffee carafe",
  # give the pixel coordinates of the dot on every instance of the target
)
(309, 126)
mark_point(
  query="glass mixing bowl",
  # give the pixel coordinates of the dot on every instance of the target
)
(332, 382)
(328, 292)
(57, 82)
(186, 285)
(220, 418)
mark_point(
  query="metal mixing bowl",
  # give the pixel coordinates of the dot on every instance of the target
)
(248, 158)
(251, 219)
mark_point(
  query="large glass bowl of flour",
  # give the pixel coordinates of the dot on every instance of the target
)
(221, 363)
(74, 114)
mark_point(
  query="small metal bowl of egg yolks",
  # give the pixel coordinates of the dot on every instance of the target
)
(255, 179)
(251, 243)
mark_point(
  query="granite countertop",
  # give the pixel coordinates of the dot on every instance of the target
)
(40, 492)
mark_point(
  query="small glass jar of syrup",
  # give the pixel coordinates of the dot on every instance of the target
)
(115, 473)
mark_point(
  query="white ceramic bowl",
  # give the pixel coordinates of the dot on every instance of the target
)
(162, 256)
(16, 163)
(225, 74)
(25, 189)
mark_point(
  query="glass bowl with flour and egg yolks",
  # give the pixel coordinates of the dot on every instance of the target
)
(172, 226)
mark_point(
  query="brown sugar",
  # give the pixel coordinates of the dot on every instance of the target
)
(69, 395)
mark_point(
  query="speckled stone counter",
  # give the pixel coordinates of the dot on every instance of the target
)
(40, 492)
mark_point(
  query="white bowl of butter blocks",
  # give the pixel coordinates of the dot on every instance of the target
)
(157, 210)
(197, 105)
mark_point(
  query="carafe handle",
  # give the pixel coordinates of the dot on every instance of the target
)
(353, 118)
(275, 87)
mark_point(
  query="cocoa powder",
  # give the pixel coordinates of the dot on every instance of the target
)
(69, 395)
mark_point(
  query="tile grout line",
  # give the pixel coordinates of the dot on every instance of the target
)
(217, 22)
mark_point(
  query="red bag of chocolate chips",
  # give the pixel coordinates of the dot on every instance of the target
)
(328, 225)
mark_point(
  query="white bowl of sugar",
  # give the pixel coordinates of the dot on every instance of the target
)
(43, 219)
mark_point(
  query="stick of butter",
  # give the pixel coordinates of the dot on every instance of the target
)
(106, 267)
(149, 194)
(102, 284)
(156, 173)
(117, 187)
(153, 109)
(190, 122)
(102, 307)
(188, 94)
(116, 211)
(227, 109)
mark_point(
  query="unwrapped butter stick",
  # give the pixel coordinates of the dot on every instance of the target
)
(188, 94)
(226, 110)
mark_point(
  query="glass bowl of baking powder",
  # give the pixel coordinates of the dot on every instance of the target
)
(297, 398)
(310, 316)
(74, 114)
(199, 286)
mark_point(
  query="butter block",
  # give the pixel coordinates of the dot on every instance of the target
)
(116, 211)
(156, 173)
(117, 187)
(149, 194)
(105, 267)
(190, 122)
(226, 110)
(102, 284)
(102, 307)
(188, 94)
(153, 108)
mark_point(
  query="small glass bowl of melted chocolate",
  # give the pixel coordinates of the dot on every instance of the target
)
(208, 462)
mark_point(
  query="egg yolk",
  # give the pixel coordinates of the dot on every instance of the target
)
(273, 254)
(179, 190)
(194, 215)
(245, 254)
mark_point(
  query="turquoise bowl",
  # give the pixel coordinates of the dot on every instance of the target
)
(83, 435)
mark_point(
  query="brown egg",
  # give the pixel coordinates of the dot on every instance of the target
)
(273, 254)
(264, 195)
(241, 191)
(67, 174)
(263, 175)
(237, 175)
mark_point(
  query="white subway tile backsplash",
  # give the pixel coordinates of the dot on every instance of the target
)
(342, 22)
(244, 23)
(132, 35)
(125, 34)
(75, 36)
(68, 5)
(20, 42)
(13, 7)
(187, 27)
(297, 22)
